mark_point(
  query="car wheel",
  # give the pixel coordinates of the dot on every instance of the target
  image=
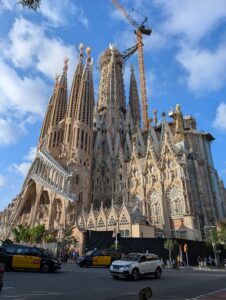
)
(158, 273)
(87, 264)
(115, 277)
(135, 274)
(45, 268)
(4, 266)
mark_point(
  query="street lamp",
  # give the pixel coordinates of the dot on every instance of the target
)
(116, 236)
(213, 245)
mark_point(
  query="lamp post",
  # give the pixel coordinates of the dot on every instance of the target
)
(116, 236)
(213, 245)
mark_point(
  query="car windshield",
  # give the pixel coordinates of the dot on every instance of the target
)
(90, 252)
(45, 252)
(132, 257)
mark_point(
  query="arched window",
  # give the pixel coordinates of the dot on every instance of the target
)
(155, 208)
(175, 201)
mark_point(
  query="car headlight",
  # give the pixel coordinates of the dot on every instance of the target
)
(126, 266)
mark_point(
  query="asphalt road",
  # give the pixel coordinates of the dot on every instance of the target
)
(73, 282)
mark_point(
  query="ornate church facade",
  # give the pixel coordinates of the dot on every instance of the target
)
(96, 169)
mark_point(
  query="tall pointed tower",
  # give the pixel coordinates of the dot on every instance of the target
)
(78, 138)
(53, 127)
(109, 131)
(134, 99)
(47, 118)
(69, 134)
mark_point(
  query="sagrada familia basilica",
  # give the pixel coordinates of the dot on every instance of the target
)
(97, 169)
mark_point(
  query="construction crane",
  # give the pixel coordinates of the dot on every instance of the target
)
(139, 31)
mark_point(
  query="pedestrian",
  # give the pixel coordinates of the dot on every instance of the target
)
(199, 260)
(210, 260)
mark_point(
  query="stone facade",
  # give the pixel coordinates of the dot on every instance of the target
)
(96, 169)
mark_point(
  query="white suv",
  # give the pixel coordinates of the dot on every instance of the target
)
(135, 265)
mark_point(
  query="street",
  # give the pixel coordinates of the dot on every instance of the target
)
(73, 282)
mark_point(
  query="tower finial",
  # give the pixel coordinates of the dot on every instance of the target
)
(155, 117)
(56, 80)
(81, 46)
(66, 64)
(88, 51)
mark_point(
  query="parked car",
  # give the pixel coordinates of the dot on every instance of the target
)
(135, 265)
(98, 257)
(2, 270)
(14, 256)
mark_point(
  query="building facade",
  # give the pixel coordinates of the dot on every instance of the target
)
(96, 169)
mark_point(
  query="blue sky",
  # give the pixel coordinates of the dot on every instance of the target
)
(185, 61)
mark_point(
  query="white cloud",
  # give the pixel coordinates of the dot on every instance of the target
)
(220, 118)
(206, 69)
(7, 4)
(10, 131)
(57, 12)
(31, 154)
(2, 181)
(25, 41)
(191, 18)
(21, 94)
(30, 47)
(22, 168)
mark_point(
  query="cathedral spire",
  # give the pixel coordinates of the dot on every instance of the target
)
(111, 81)
(75, 84)
(85, 102)
(134, 99)
(58, 111)
(73, 99)
(47, 118)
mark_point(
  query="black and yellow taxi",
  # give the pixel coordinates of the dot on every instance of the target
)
(14, 256)
(98, 257)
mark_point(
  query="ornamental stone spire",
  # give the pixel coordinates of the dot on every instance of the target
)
(73, 98)
(47, 118)
(58, 112)
(134, 99)
(111, 81)
(82, 133)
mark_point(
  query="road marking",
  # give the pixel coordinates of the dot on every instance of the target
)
(206, 296)
(8, 287)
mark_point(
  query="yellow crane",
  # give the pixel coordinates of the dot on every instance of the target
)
(139, 31)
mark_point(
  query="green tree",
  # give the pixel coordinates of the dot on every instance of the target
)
(33, 4)
(49, 238)
(170, 244)
(68, 237)
(222, 235)
(37, 233)
(21, 234)
(212, 237)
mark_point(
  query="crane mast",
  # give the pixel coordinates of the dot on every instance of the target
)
(140, 30)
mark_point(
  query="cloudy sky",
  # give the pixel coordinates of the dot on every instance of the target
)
(185, 60)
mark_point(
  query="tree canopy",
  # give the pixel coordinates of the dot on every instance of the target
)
(33, 4)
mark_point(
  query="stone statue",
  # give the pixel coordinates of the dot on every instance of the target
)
(179, 124)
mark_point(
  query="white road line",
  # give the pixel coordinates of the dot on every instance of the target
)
(208, 294)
